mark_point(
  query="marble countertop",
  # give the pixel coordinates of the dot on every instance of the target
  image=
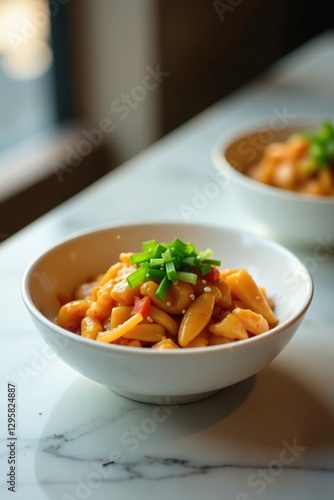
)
(271, 436)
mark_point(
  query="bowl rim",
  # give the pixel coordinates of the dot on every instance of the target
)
(184, 351)
(239, 133)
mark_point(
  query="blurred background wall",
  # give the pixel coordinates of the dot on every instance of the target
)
(112, 44)
(208, 48)
(117, 76)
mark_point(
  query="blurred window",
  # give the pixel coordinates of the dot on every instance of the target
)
(27, 93)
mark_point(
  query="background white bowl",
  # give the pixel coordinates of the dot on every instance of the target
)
(172, 376)
(283, 215)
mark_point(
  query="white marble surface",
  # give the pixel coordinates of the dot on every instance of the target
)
(271, 436)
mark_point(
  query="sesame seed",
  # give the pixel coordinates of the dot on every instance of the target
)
(192, 296)
(204, 282)
(207, 289)
(183, 311)
(169, 304)
(149, 319)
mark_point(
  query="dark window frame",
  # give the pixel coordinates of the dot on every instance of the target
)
(62, 75)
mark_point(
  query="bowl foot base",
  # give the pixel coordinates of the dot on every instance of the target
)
(164, 400)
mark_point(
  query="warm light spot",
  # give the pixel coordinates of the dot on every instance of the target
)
(30, 62)
(24, 34)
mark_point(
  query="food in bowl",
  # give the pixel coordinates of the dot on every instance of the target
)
(303, 163)
(166, 376)
(167, 296)
(289, 217)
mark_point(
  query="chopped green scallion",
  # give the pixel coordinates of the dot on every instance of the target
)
(171, 271)
(204, 269)
(187, 277)
(155, 274)
(169, 263)
(157, 262)
(190, 249)
(134, 279)
(163, 288)
(149, 245)
(138, 258)
(192, 261)
(159, 250)
(167, 256)
(205, 254)
(213, 262)
(179, 245)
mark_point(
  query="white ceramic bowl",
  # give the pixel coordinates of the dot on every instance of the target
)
(276, 213)
(170, 376)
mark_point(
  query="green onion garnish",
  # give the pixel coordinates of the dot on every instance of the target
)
(149, 245)
(205, 254)
(155, 274)
(171, 271)
(213, 262)
(163, 288)
(321, 145)
(167, 256)
(192, 261)
(169, 263)
(157, 262)
(187, 277)
(204, 269)
(134, 279)
(179, 245)
(137, 258)
(159, 250)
